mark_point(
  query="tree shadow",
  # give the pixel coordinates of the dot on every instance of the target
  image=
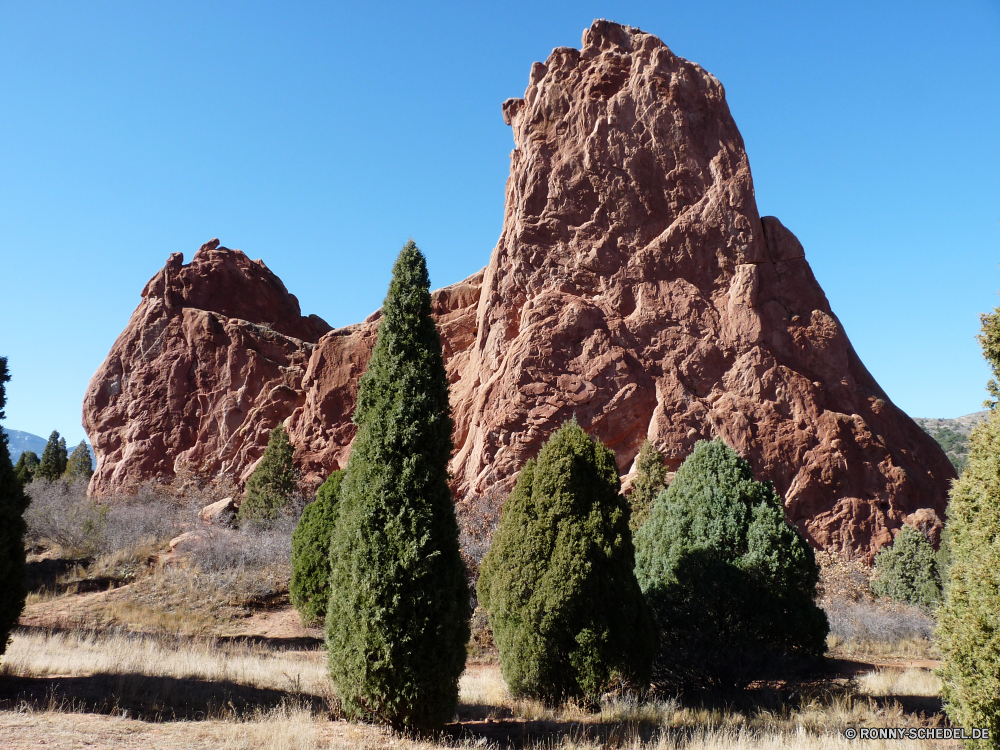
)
(149, 698)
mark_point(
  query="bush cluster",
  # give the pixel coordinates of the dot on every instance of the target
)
(731, 581)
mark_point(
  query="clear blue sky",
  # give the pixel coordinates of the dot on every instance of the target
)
(320, 136)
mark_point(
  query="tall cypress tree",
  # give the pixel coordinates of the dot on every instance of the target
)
(26, 467)
(13, 503)
(54, 458)
(398, 617)
(80, 465)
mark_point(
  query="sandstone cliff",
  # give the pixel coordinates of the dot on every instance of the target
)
(634, 286)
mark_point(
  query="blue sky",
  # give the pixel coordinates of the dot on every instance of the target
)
(320, 137)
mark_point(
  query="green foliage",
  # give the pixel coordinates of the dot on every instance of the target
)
(398, 617)
(968, 635)
(80, 465)
(954, 444)
(907, 571)
(568, 617)
(272, 483)
(54, 458)
(650, 478)
(27, 465)
(989, 340)
(13, 503)
(311, 552)
(731, 581)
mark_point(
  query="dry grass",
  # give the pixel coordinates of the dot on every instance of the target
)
(41, 654)
(250, 696)
(893, 682)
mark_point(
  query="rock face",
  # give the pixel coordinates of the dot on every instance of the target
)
(634, 287)
(216, 355)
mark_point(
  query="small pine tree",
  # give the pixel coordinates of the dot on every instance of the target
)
(27, 465)
(80, 465)
(398, 618)
(906, 571)
(13, 503)
(558, 583)
(968, 631)
(54, 458)
(732, 582)
(650, 480)
(272, 483)
(309, 586)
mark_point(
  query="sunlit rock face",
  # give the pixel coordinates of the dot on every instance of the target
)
(634, 287)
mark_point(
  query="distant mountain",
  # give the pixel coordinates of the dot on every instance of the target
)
(19, 442)
(953, 435)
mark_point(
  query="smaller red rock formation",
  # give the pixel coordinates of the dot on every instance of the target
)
(212, 359)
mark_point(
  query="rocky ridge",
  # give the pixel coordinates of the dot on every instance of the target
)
(634, 286)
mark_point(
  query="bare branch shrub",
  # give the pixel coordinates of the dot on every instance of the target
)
(862, 621)
(478, 518)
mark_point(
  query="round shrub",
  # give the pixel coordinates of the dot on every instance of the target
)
(558, 583)
(906, 571)
(398, 618)
(311, 552)
(731, 581)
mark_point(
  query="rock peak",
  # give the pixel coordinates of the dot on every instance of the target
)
(634, 286)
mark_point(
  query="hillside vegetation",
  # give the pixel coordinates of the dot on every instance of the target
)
(953, 435)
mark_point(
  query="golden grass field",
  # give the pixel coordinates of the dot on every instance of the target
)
(136, 645)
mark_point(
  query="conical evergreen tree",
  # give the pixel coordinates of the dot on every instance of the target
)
(27, 465)
(80, 465)
(54, 458)
(968, 631)
(558, 583)
(272, 483)
(731, 581)
(907, 570)
(398, 619)
(309, 587)
(13, 503)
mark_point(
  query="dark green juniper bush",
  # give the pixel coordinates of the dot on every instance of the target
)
(13, 503)
(309, 586)
(80, 465)
(731, 581)
(272, 483)
(906, 571)
(650, 478)
(568, 617)
(54, 458)
(398, 617)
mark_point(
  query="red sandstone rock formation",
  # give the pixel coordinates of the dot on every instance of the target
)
(634, 286)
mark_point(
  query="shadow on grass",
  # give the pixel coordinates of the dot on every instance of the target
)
(147, 697)
(303, 643)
